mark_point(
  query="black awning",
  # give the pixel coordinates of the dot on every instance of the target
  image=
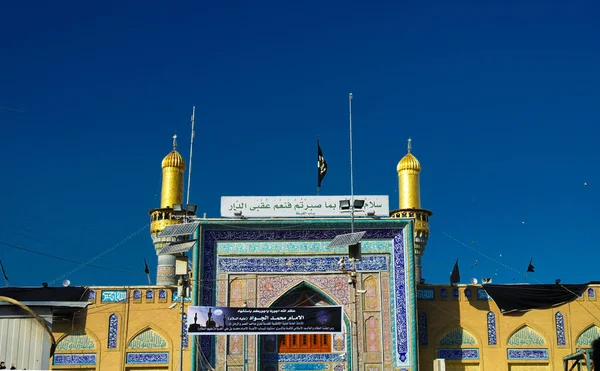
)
(45, 293)
(520, 298)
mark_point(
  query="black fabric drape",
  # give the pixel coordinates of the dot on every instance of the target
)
(45, 293)
(519, 298)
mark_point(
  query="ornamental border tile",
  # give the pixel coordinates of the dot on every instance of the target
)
(113, 296)
(491, 328)
(561, 339)
(527, 354)
(79, 359)
(147, 358)
(459, 354)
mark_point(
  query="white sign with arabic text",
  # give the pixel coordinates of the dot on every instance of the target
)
(300, 206)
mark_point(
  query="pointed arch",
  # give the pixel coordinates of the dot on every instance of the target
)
(588, 335)
(295, 288)
(457, 336)
(149, 336)
(77, 339)
(371, 296)
(526, 335)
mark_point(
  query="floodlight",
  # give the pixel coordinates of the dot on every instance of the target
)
(354, 251)
(177, 208)
(344, 204)
(358, 204)
(191, 208)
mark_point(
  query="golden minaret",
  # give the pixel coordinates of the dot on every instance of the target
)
(173, 168)
(409, 190)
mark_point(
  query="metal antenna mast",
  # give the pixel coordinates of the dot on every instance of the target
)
(191, 150)
(351, 169)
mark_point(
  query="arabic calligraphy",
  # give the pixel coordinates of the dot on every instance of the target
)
(297, 206)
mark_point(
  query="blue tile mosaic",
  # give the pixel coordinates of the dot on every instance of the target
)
(527, 354)
(147, 358)
(74, 359)
(149, 294)
(211, 234)
(455, 292)
(92, 295)
(316, 357)
(113, 296)
(491, 328)
(137, 294)
(483, 295)
(591, 293)
(184, 331)
(422, 326)
(304, 367)
(297, 264)
(425, 294)
(459, 354)
(444, 293)
(468, 293)
(113, 331)
(265, 248)
(162, 295)
(561, 339)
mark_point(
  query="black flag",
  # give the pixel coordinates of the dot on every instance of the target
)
(146, 269)
(455, 275)
(3, 272)
(530, 267)
(321, 165)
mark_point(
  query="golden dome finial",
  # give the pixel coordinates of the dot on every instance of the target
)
(409, 144)
(409, 162)
(175, 141)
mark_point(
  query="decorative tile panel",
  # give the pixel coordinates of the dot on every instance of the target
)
(444, 293)
(147, 358)
(297, 264)
(371, 296)
(148, 339)
(527, 354)
(422, 325)
(113, 331)
(76, 341)
(149, 295)
(137, 295)
(455, 292)
(373, 335)
(335, 286)
(92, 295)
(483, 295)
(457, 336)
(526, 336)
(74, 359)
(162, 295)
(457, 354)
(468, 293)
(314, 357)
(589, 335)
(113, 296)
(396, 264)
(425, 294)
(591, 293)
(304, 367)
(184, 331)
(292, 247)
(561, 339)
(491, 328)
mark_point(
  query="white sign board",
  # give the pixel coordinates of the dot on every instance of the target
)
(299, 206)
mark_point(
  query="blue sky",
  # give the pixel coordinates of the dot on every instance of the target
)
(501, 101)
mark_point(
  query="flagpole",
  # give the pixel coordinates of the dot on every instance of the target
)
(351, 168)
(191, 149)
(318, 170)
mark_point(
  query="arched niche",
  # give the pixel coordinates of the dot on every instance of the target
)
(525, 336)
(457, 336)
(148, 338)
(588, 335)
(77, 340)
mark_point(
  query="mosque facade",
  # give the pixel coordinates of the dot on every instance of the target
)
(391, 319)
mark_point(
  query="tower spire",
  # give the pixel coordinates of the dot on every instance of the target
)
(409, 144)
(175, 141)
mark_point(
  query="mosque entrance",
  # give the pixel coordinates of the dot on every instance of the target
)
(312, 350)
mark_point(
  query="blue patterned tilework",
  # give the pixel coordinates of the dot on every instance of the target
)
(162, 294)
(305, 367)
(149, 294)
(148, 339)
(76, 341)
(92, 295)
(147, 358)
(316, 357)
(491, 328)
(444, 293)
(210, 237)
(589, 335)
(527, 354)
(184, 330)
(297, 264)
(483, 295)
(113, 296)
(526, 336)
(468, 293)
(425, 294)
(113, 331)
(457, 336)
(455, 292)
(422, 325)
(591, 293)
(457, 354)
(293, 247)
(74, 359)
(137, 294)
(561, 339)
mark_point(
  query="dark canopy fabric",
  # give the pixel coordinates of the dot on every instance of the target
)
(520, 298)
(45, 293)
